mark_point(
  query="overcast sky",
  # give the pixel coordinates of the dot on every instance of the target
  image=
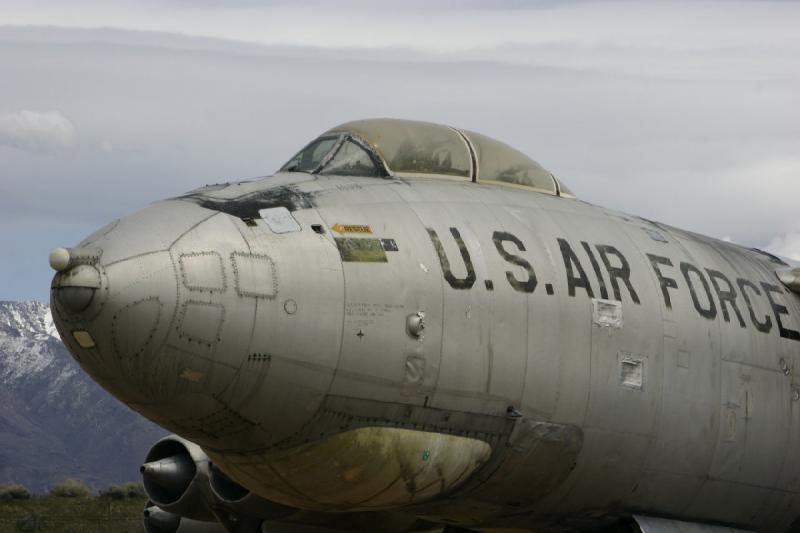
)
(683, 112)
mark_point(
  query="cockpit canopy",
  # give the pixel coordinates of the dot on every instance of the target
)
(407, 148)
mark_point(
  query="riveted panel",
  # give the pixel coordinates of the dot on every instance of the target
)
(223, 421)
(255, 275)
(201, 322)
(202, 271)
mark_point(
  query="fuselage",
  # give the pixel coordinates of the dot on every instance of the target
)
(537, 358)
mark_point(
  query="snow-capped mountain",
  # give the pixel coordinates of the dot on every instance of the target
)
(55, 422)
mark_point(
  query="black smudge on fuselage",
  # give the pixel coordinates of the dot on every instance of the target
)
(248, 205)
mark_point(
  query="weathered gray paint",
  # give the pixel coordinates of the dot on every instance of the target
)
(252, 343)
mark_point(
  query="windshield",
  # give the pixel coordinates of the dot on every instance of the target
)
(351, 160)
(310, 157)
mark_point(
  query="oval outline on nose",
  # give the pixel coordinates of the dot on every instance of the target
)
(137, 318)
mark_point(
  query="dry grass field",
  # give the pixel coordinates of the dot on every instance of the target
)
(92, 514)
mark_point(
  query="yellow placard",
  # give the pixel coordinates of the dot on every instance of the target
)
(351, 228)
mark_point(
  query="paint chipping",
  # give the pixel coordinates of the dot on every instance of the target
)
(607, 313)
(631, 371)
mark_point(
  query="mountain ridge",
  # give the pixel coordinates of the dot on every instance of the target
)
(55, 422)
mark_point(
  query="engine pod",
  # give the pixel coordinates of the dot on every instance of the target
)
(175, 476)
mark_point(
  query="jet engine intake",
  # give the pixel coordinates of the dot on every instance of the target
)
(186, 491)
(175, 474)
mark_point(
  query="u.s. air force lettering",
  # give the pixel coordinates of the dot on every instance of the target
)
(413, 327)
(711, 292)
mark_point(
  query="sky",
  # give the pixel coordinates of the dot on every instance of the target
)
(683, 112)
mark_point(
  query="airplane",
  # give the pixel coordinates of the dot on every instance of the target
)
(415, 327)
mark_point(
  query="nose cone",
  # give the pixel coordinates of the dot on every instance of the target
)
(183, 312)
(114, 296)
(153, 308)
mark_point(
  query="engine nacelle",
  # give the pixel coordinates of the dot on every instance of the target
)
(157, 520)
(175, 476)
(187, 491)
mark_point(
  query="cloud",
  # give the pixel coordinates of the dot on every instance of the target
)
(448, 26)
(786, 244)
(36, 131)
(701, 148)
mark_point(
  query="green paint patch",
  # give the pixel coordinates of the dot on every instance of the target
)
(426, 455)
(356, 250)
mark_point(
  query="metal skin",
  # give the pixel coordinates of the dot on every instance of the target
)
(468, 354)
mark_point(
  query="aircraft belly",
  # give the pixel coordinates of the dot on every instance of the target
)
(361, 469)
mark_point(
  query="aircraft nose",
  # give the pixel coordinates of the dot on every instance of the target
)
(113, 298)
(113, 318)
(160, 308)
